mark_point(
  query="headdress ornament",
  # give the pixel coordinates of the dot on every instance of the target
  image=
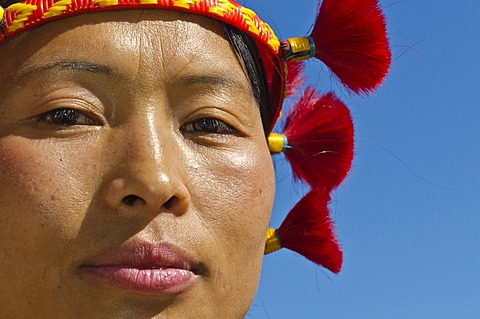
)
(349, 36)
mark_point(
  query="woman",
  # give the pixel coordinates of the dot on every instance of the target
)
(136, 178)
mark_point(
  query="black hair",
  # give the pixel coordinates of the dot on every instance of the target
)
(247, 49)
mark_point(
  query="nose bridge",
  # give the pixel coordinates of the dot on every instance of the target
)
(148, 138)
(147, 168)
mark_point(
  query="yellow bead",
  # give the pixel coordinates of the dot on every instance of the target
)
(276, 143)
(301, 48)
(272, 243)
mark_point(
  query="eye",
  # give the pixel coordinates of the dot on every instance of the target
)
(210, 125)
(66, 117)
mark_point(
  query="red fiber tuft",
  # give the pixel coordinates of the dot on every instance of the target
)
(350, 38)
(295, 77)
(319, 131)
(308, 230)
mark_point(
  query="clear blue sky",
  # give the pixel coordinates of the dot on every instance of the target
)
(408, 216)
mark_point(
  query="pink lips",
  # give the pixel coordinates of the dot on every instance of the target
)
(145, 268)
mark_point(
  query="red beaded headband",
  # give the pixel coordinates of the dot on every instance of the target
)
(349, 36)
(27, 14)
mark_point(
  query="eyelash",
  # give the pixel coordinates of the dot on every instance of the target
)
(66, 117)
(210, 125)
(71, 117)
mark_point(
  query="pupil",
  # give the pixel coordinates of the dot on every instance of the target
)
(66, 117)
(209, 125)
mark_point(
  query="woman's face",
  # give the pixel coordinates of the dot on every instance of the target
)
(135, 179)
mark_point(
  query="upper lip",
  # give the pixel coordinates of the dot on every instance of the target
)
(146, 255)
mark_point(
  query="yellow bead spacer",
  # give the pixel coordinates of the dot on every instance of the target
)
(222, 7)
(184, 3)
(57, 9)
(226, 5)
(106, 3)
(23, 11)
(15, 26)
(272, 244)
(249, 16)
(276, 143)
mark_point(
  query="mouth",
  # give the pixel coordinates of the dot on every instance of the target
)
(142, 267)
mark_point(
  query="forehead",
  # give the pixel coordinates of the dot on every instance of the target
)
(151, 42)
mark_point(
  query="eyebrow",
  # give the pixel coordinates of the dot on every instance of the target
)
(105, 70)
(67, 65)
(213, 81)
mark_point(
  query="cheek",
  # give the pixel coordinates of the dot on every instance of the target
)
(40, 194)
(235, 191)
(233, 194)
(35, 219)
(26, 174)
(40, 172)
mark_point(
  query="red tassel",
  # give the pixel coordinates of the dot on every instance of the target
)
(319, 131)
(350, 38)
(295, 77)
(308, 230)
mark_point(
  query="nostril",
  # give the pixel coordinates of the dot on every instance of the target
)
(130, 199)
(169, 203)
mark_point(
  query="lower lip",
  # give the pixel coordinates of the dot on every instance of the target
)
(150, 281)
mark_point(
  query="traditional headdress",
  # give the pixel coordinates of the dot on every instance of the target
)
(349, 37)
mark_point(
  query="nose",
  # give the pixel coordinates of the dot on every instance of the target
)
(146, 170)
